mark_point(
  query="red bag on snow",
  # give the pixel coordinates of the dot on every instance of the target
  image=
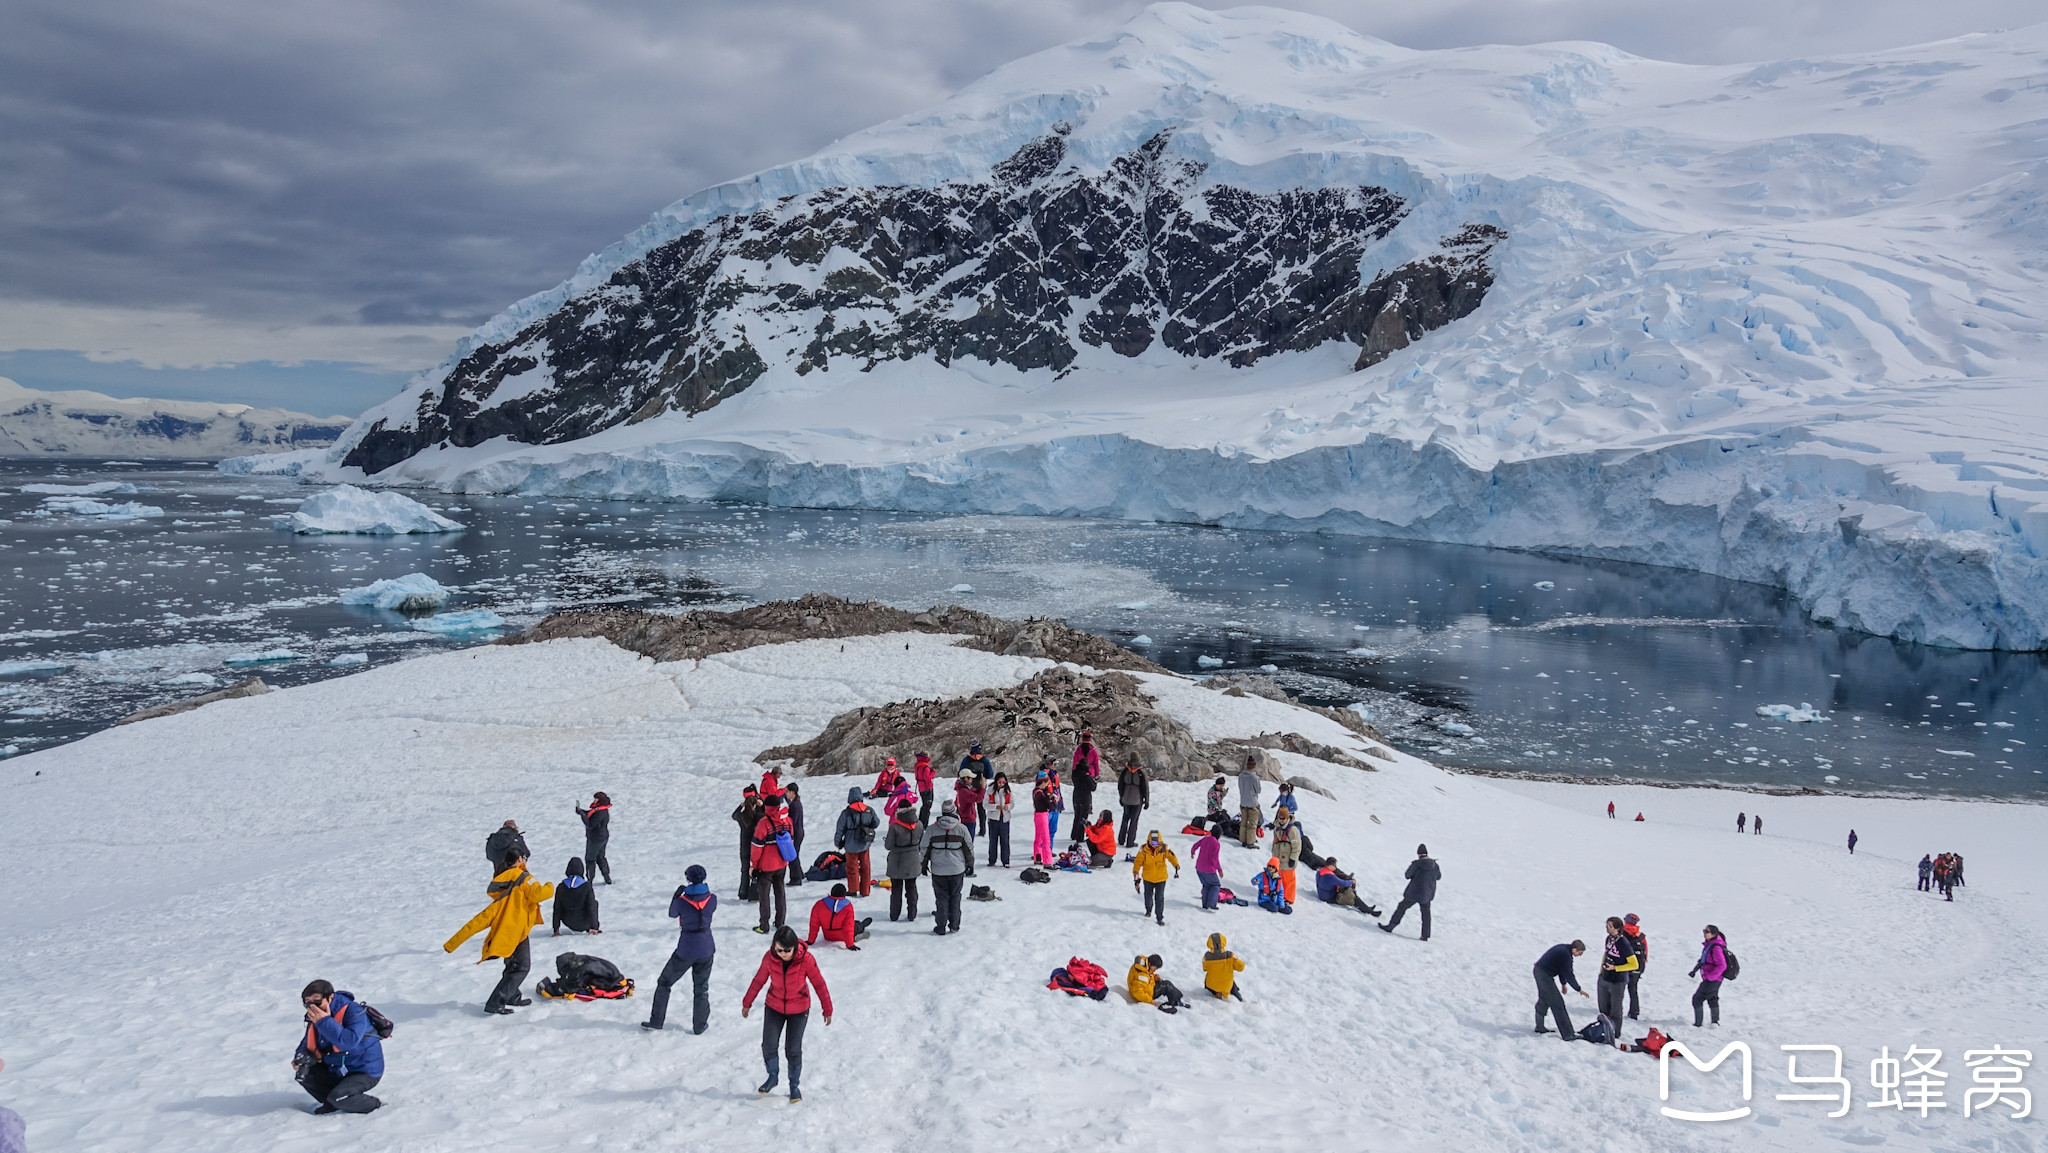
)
(1653, 1044)
(1081, 978)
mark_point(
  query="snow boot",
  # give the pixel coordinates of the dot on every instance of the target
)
(774, 1077)
(796, 1072)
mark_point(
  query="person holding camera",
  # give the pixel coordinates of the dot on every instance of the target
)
(340, 1058)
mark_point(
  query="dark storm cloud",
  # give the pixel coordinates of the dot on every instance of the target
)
(398, 169)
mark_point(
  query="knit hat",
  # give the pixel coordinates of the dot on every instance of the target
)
(1422, 850)
(839, 890)
(949, 808)
(1631, 919)
(694, 874)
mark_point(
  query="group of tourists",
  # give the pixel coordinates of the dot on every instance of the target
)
(1941, 873)
(1624, 956)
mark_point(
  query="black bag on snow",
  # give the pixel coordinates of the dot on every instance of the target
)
(1597, 1032)
(585, 978)
(830, 866)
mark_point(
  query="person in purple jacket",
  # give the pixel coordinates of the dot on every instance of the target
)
(13, 1132)
(1209, 866)
(1713, 965)
(692, 907)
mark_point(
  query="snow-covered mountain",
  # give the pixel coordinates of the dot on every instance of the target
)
(1777, 322)
(36, 423)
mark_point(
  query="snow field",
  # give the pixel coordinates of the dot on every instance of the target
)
(188, 874)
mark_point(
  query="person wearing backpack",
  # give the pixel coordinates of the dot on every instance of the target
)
(1423, 874)
(1220, 968)
(691, 907)
(1134, 792)
(996, 805)
(927, 786)
(1711, 969)
(903, 845)
(854, 836)
(1633, 926)
(1553, 973)
(746, 816)
(1617, 961)
(513, 912)
(575, 901)
(771, 839)
(947, 853)
(786, 969)
(1249, 818)
(1086, 770)
(597, 833)
(340, 1057)
(505, 844)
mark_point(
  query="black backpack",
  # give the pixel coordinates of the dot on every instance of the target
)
(379, 1023)
(1734, 966)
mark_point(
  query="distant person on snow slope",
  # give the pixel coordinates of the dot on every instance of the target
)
(1711, 969)
(1423, 874)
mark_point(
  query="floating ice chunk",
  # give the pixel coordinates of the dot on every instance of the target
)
(1804, 713)
(1141, 639)
(263, 658)
(348, 509)
(97, 488)
(411, 592)
(1954, 753)
(346, 659)
(1361, 628)
(1233, 624)
(2001, 724)
(1832, 779)
(467, 621)
(1269, 668)
(192, 679)
(1134, 605)
(1456, 729)
(1543, 676)
(22, 668)
(1546, 586)
(79, 506)
(10, 750)
(1361, 708)
(961, 588)
(30, 711)
(1367, 653)
(1209, 662)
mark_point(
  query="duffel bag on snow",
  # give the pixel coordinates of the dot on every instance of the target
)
(829, 866)
(1597, 1032)
(585, 978)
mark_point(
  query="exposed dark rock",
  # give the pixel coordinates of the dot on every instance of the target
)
(253, 687)
(1006, 270)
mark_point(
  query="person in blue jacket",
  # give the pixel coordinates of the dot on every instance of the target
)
(339, 1059)
(1272, 893)
(1553, 973)
(692, 907)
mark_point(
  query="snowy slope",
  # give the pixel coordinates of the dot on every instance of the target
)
(182, 878)
(1778, 322)
(38, 423)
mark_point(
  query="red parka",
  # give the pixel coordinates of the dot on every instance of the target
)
(786, 979)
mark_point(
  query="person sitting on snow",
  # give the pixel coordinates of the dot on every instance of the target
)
(1272, 887)
(1147, 987)
(1220, 968)
(1102, 841)
(575, 901)
(886, 782)
(1338, 887)
(832, 918)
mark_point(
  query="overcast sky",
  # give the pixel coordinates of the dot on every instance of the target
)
(299, 202)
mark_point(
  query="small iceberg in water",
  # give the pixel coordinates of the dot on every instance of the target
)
(413, 593)
(1801, 715)
(263, 658)
(348, 509)
(466, 621)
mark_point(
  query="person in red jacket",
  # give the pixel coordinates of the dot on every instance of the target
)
(769, 863)
(832, 918)
(786, 969)
(771, 781)
(886, 781)
(927, 787)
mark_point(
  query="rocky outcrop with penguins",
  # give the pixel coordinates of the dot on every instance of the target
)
(1023, 268)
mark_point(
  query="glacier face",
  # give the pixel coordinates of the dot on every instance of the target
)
(1777, 322)
(35, 423)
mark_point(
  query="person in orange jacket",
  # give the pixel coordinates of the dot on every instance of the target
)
(513, 912)
(1102, 841)
(1148, 870)
(832, 918)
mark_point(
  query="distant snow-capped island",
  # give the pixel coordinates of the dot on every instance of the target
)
(37, 423)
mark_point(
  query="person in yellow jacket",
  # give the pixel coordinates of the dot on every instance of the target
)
(513, 912)
(1149, 867)
(1220, 968)
(1147, 987)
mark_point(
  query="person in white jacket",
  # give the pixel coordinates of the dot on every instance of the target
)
(995, 811)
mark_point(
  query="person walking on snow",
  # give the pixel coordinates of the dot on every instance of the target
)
(1286, 846)
(575, 902)
(746, 816)
(947, 853)
(1852, 842)
(1926, 871)
(340, 1057)
(1423, 874)
(1633, 926)
(1610, 810)
(1248, 816)
(927, 786)
(597, 833)
(1741, 820)
(692, 907)
(853, 837)
(505, 845)
(1220, 968)
(1553, 973)
(1148, 872)
(1208, 855)
(513, 912)
(1042, 802)
(786, 969)
(1711, 968)
(793, 804)
(1756, 824)
(903, 844)
(1617, 961)
(996, 806)
(771, 834)
(1134, 793)
(1086, 771)
(832, 918)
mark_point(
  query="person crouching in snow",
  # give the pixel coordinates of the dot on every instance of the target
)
(1102, 841)
(787, 968)
(1273, 888)
(513, 912)
(1147, 987)
(1148, 870)
(832, 919)
(575, 901)
(1220, 968)
(340, 1058)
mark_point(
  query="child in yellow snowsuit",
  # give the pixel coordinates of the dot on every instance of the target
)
(1220, 968)
(1149, 988)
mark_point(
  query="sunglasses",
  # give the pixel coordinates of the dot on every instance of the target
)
(314, 1003)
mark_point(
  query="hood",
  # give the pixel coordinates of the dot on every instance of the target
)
(1218, 942)
(696, 889)
(854, 795)
(945, 823)
(576, 867)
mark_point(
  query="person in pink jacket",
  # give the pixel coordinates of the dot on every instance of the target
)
(1209, 867)
(927, 787)
(1712, 967)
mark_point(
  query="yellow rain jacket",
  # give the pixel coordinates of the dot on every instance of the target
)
(1152, 860)
(513, 912)
(1140, 981)
(1220, 966)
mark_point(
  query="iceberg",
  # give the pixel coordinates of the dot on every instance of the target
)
(961, 588)
(1803, 714)
(1141, 640)
(413, 592)
(348, 509)
(346, 659)
(466, 621)
(1456, 728)
(207, 679)
(1209, 662)
(22, 668)
(82, 506)
(96, 488)
(261, 658)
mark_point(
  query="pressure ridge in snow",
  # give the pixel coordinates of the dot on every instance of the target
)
(1776, 322)
(202, 867)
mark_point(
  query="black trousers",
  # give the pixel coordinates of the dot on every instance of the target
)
(700, 1010)
(946, 901)
(1550, 999)
(1127, 832)
(1155, 900)
(1403, 907)
(998, 839)
(1084, 815)
(796, 867)
(769, 885)
(517, 966)
(746, 867)
(1634, 1006)
(924, 809)
(348, 1094)
(594, 859)
(1708, 994)
(788, 1029)
(900, 893)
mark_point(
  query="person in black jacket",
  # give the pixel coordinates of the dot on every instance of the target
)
(1422, 876)
(746, 817)
(793, 803)
(1617, 961)
(597, 832)
(1134, 793)
(1553, 973)
(503, 846)
(575, 901)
